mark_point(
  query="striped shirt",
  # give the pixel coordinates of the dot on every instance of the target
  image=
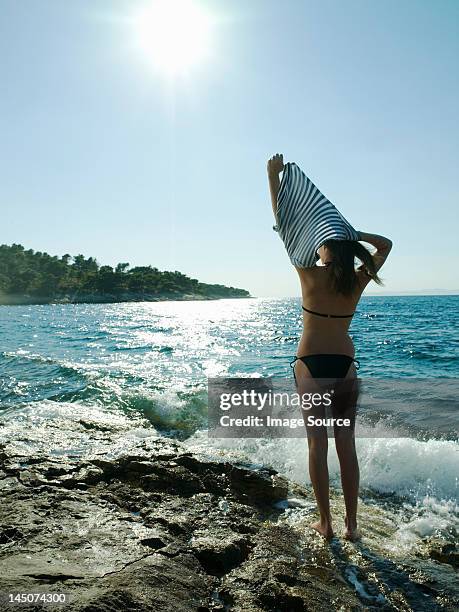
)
(306, 218)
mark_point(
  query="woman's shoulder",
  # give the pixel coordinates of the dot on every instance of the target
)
(308, 273)
(315, 276)
(316, 281)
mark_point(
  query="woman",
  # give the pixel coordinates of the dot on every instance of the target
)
(330, 293)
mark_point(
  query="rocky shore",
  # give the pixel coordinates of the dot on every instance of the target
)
(97, 506)
(98, 298)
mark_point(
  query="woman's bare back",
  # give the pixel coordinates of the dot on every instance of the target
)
(326, 334)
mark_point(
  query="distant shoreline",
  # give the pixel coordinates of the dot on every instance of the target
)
(35, 277)
(27, 300)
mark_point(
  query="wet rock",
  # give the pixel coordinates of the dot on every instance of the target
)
(444, 553)
(148, 525)
(221, 551)
(154, 528)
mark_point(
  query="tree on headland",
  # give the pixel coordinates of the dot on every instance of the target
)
(36, 274)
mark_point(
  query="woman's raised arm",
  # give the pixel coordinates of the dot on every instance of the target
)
(383, 247)
(274, 167)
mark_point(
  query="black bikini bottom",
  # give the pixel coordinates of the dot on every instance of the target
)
(326, 365)
(345, 392)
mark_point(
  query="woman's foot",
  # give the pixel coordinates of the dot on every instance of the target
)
(351, 532)
(324, 528)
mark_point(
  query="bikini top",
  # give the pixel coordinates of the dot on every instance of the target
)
(306, 218)
(330, 316)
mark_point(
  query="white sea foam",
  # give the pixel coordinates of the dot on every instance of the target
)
(429, 517)
(422, 473)
(63, 428)
(405, 467)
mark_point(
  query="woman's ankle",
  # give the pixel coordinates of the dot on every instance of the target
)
(326, 519)
(351, 522)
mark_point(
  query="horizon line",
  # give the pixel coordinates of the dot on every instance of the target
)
(427, 293)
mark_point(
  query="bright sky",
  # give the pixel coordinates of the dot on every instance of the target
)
(105, 152)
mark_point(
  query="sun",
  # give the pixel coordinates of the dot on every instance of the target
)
(173, 35)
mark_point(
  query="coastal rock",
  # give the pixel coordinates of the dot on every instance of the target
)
(141, 523)
(156, 528)
(444, 553)
(107, 298)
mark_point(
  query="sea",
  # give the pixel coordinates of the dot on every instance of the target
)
(129, 362)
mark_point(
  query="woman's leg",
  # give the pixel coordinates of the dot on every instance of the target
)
(318, 472)
(350, 475)
(318, 451)
(347, 455)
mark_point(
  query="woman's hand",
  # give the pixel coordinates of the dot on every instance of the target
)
(275, 164)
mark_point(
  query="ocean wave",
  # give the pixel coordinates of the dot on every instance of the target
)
(415, 480)
(411, 469)
(173, 412)
(20, 356)
(27, 376)
(68, 428)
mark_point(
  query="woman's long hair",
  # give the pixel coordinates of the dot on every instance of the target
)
(343, 274)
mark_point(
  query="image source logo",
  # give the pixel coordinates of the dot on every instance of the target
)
(387, 408)
(274, 407)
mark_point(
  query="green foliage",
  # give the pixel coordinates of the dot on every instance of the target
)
(38, 274)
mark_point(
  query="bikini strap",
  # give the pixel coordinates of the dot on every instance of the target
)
(329, 316)
(356, 361)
